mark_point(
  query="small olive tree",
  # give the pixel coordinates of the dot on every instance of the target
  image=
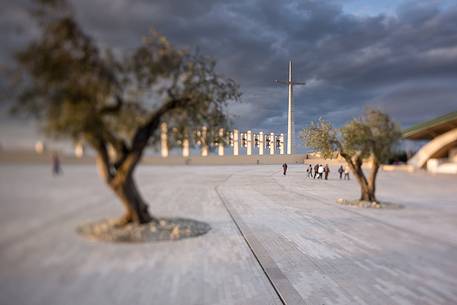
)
(113, 99)
(372, 137)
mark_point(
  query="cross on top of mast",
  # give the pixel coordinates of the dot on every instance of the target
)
(290, 81)
(290, 117)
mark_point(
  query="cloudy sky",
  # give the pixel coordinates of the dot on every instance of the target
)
(398, 55)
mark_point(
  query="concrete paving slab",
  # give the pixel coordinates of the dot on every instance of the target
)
(316, 251)
(342, 255)
(43, 260)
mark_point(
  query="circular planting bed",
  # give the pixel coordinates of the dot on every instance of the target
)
(165, 229)
(369, 204)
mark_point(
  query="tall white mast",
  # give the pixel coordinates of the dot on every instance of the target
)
(290, 113)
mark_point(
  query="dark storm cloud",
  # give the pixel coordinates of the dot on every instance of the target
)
(402, 63)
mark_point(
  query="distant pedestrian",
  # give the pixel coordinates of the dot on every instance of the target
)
(309, 171)
(56, 168)
(284, 168)
(346, 172)
(326, 171)
(341, 171)
(320, 171)
(316, 169)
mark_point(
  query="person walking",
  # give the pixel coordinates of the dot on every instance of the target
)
(316, 169)
(56, 168)
(326, 171)
(309, 171)
(346, 172)
(341, 171)
(320, 171)
(284, 168)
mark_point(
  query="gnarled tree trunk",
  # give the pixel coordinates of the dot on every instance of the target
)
(372, 181)
(118, 170)
(367, 186)
(136, 208)
(122, 183)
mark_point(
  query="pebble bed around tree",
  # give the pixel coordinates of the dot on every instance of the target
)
(369, 204)
(166, 229)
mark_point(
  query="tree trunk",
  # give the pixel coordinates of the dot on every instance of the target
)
(368, 195)
(372, 180)
(365, 192)
(367, 187)
(136, 208)
(122, 183)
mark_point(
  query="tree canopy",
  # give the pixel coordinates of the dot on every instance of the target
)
(372, 136)
(79, 90)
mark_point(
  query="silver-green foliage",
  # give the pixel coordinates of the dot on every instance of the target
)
(372, 136)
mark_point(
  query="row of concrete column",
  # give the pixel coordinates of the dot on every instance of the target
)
(266, 143)
(247, 139)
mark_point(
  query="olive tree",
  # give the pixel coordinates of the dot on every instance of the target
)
(371, 137)
(114, 99)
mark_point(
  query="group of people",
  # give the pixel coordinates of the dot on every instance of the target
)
(320, 171)
(344, 171)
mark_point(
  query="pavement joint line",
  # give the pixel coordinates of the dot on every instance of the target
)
(329, 254)
(285, 291)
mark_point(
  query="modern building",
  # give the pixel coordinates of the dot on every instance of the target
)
(439, 154)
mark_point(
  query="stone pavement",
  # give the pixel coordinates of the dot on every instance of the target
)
(312, 250)
(344, 255)
(43, 260)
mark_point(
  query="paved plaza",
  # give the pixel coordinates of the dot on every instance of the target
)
(274, 239)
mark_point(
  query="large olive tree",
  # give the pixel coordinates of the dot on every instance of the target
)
(78, 89)
(371, 137)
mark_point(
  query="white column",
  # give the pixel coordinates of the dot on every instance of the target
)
(272, 143)
(204, 142)
(164, 140)
(79, 150)
(242, 143)
(290, 116)
(249, 143)
(281, 144)
(261, 143)
(220, 146)
(40, 148)
(185, 147)
(236, 142)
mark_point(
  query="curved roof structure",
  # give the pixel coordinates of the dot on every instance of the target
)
(430, 129)
(436, 148)
(442, 133)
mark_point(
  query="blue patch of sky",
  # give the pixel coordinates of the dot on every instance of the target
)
(386, 7)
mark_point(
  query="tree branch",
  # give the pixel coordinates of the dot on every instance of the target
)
(119, 145)
(373, 174)
(103, 160)
(338, 145)
(110, 109)
(143, 134)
